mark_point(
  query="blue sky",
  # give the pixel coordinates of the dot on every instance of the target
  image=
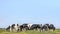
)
(29, 11)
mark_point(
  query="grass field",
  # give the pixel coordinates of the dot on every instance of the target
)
(30, 32)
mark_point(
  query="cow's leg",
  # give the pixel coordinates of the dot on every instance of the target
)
(38, 29)
(10, 29)
(54, 29)
(41, 30)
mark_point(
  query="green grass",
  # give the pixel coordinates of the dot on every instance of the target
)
(1, 31)
(30, 32)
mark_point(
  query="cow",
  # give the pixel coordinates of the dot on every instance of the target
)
(36, 27)
(44, 28)
(52, 27)
(13, 27)
(29, 26)
(24, 27)
(47, 27)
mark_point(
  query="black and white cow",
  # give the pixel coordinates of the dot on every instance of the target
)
(44, 28)
(47, 27)
(52, 27)
(24, 27)
(35, 27)
(13, 27)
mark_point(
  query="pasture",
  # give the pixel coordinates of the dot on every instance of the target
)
(31, 32)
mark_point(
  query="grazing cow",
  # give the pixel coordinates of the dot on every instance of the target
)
(24, 27)
(48, 27)
(35, 27)
(44, 28)
(13, 27)
(52, 27)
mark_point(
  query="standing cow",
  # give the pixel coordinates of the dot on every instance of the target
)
(48, 27)
(44, 28)
(52, 27)
(36, 27)
(24, 27)
(13, 27)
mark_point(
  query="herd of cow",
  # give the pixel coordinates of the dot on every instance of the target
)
(25, 27)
